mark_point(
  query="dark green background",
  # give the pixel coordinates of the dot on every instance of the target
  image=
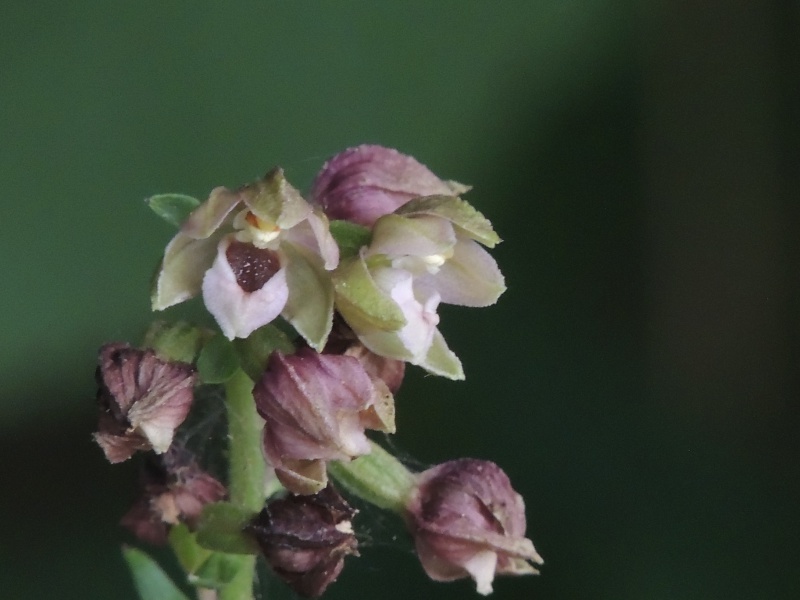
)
(639, 379)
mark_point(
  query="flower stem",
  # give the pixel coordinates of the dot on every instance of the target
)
(246, 470)
(379, 478)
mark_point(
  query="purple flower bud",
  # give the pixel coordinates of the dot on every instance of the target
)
(316, 408)
(142, 400)
(305, 539)
(467, 520)
(368, 181)
(175, 490)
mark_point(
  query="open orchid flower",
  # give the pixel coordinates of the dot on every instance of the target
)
(254, 253)
(425, 253)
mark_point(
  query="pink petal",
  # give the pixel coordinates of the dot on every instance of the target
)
(238, 312)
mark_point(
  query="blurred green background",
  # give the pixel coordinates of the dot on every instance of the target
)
(639, 379)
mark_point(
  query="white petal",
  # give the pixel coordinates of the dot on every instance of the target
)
(314, 234)
(237, 312)
(416, 335)
(481, 568)
(470, 278)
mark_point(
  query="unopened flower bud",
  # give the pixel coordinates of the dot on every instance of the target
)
(366, 182)
(316, 408)
(305, 539)
(175, 490)
(142, 400)
(467, 520)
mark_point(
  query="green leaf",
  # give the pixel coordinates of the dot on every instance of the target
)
(254, 350)
(217, 361)
(190, 554)
(361, 302)
(459, 212)
(173, 208)
(204, 568)
(179, 341)
(310, 305)
(220, 529)
(350, 237)
(151, 582)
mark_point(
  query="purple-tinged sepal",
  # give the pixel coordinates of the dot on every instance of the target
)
(366, 182)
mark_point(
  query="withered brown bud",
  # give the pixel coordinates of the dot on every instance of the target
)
(316, 408)
(174, 490)
(467, 521)
(142, 400)
(305, 539)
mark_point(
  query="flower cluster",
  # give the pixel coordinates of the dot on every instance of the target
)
(357, 270)
(411, 243)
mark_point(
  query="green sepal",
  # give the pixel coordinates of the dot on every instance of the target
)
(440, 360)
(459, 212)
(275, 200)
(218, 360)
(254, 350)
(350, 237)
(173, 208)
(150, 580)
(361, 302)
(221, 529)
(179, 341)
(310, 305)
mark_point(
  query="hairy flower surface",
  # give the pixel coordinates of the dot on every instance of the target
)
(142, 400)
(316, 408)
(254, 253)
(467, 521)
(366, 182)
(174, 490)
(426, 253)
(305, 539)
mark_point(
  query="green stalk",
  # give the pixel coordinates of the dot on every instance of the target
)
(379, 478)
(246, 470)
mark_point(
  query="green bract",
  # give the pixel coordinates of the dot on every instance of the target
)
(173, 208)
